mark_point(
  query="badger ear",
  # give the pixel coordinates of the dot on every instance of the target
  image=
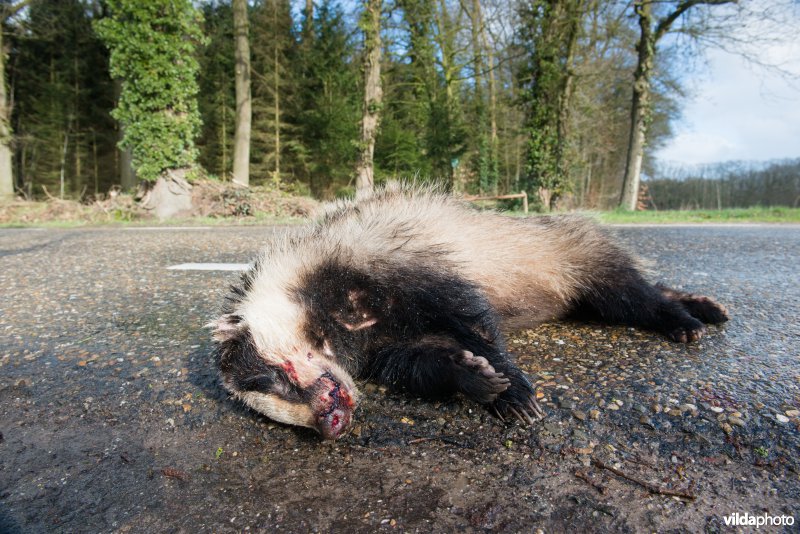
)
(226, 327)
(361, 313)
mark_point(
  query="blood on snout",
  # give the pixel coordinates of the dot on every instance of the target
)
(335, 407)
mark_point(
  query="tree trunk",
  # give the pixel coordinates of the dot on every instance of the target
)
(6, 170)
(493, 139)
(78, 179)
(373, 96)
(640, 107)
(308, 22)
(223, 134)
(127, 176)
(276, 178)
(241, 145)
(444, 36)
(6, 154)
(170, 195)
(649, 36)
(486, 180)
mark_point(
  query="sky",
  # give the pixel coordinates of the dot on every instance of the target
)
(738, 111)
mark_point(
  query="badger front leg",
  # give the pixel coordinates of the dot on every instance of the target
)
(438, 366)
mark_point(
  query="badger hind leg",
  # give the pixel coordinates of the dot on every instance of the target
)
(625, 297)
(700, 307)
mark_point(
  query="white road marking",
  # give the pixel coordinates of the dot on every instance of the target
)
(137, 228)
(209, 267)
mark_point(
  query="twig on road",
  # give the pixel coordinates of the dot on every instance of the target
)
(586, 478)
(652, 488)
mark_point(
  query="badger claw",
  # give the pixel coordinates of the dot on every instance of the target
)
(524, 408)
(497, 413)
(536, 408)
(521, 415)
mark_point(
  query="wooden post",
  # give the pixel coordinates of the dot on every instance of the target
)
(523, 195)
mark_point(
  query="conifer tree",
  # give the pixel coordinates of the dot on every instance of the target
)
(217, 97)
(276, 148)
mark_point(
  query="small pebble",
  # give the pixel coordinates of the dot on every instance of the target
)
(781, 418)
(566, 404)
(717, 409)
(579, 415)
(553, 428)
(594, 414)
(727, 428)
(792, 413)
(735, 421)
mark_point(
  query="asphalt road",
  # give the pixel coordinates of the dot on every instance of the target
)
(111, 418)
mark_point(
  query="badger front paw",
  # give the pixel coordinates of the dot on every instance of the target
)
(518, 402)
(479, 381)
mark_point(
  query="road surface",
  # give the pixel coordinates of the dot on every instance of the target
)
(111, 418)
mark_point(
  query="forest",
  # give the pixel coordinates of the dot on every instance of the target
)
(564, 99)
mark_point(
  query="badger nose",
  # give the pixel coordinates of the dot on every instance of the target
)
(335, 407)
(336, 423)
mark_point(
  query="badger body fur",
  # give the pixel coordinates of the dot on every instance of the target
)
(407, 287)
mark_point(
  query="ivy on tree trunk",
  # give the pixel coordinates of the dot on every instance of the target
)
(152, 48)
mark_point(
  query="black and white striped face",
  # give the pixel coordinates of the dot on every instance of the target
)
(272, 359)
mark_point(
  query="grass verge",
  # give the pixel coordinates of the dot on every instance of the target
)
(734, 215)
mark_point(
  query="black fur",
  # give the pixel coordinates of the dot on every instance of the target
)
(239, 361)
(425, 320)
(626, 298)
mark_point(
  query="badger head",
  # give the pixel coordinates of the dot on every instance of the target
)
(279, 352)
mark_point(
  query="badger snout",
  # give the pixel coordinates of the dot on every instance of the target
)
(333, 407)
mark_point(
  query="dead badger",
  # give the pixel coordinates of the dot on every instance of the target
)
(406, 288)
